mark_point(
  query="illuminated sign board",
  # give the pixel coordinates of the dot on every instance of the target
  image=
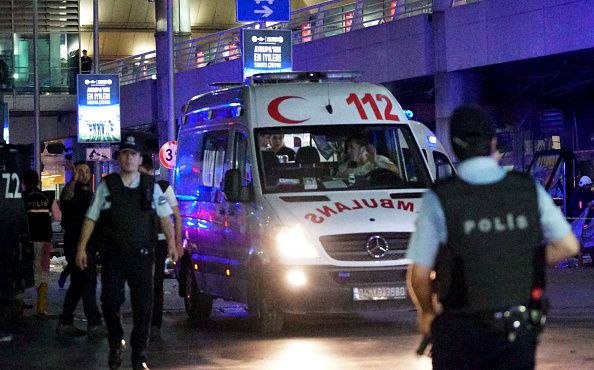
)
(98, 101)
(267, 51)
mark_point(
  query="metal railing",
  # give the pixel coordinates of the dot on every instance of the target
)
(323, 20)
(134, 68)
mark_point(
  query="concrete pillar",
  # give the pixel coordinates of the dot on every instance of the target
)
(161, 111)
(181, 9)
(181, 29)
(452, 89)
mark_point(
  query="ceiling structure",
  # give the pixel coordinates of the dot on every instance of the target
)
(127, 27)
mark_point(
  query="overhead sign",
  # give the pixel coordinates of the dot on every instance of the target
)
(98, 101)
(263, 10)
(266, 51)
(168, 154)
(98, 154)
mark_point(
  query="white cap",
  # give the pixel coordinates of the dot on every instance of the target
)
(585, 180)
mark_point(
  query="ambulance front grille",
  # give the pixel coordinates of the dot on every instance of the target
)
(352, 247)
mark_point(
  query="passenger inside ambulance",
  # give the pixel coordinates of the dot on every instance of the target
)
(362, 158)
(342, 157)
(277, 143)
(264, 141)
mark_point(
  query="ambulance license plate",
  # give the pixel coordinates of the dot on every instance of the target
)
(379, 293)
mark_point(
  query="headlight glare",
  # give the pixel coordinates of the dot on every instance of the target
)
(292, 243)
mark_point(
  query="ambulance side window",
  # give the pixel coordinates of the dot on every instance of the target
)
(241, 160)
(410, 163)
(442, 164)
(213, 168)
(201, 163)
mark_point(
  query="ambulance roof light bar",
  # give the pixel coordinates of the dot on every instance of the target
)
(300, 76)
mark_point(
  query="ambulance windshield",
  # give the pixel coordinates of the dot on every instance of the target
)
(335, 158)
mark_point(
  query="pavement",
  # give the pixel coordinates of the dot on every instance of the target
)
(33, 334)
(576, 303)
(172, 301)
(566, 343)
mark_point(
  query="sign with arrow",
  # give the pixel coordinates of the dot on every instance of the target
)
(263, 10)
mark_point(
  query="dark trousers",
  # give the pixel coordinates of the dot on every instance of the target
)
(467, 343)
(83, 284)
(160, 257)
(135, 266)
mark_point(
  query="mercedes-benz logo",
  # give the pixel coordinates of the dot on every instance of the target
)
(377, 246)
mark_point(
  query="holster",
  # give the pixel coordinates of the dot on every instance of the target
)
(531, 317)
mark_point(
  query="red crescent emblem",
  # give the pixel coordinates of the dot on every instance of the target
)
(277, 116)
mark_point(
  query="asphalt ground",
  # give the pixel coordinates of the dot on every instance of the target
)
(566, 343)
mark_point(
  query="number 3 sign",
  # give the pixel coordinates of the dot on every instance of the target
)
(168, 154)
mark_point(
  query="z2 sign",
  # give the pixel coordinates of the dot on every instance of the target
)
(168, 154)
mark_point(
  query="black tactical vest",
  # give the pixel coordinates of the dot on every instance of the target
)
(74, 210)
(38, 205)
(491, 260)
(129, 222)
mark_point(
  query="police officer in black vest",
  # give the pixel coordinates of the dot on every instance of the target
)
(481, 232)
(123, 208)
(42, 209)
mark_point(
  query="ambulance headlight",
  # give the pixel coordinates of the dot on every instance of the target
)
(292, 243)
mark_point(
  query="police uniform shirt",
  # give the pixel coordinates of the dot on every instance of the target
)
(100, 202)
(431, 229)
(172, 201)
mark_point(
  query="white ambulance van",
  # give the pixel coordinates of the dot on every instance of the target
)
(438, 161)
(319, 226)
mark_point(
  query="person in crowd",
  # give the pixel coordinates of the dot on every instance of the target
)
(581, 198)
(581, 210)
(42, 209)
(86, 63)
(362, 158)
(147, 168)
(278, 146)
(125, 204)
(480, 233)
(264, 141)
(14, 231)
(75, 200)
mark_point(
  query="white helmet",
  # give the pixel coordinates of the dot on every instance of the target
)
(585, 180)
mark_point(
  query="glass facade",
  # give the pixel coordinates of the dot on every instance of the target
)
(58, 44)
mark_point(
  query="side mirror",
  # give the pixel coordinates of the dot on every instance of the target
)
(232, 188)
(443, 170)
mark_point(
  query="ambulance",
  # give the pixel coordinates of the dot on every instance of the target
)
(303, 229)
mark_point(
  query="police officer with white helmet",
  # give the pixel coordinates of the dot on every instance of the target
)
(124, 205)
(480, 232)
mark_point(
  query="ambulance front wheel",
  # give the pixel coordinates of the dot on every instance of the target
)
(264, 316)
(198, 305)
